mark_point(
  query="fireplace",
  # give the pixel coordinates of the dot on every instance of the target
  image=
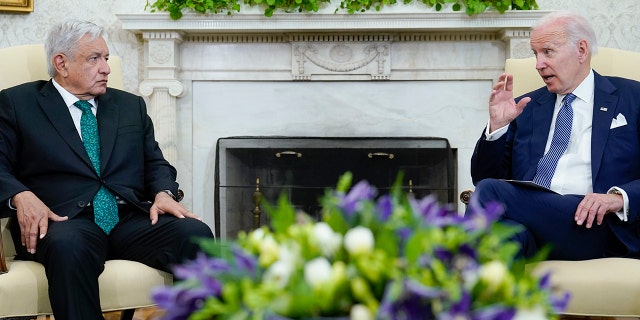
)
(252, 171)
(378, 75)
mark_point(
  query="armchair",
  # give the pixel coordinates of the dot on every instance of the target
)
(608, 287)
(124, 285)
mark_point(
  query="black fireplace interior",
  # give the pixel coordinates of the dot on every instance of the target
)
(304, 167)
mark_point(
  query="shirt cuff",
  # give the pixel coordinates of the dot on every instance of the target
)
(495, 135)
(624, 213)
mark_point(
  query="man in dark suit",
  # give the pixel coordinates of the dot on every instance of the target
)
(587, 157)
(51, 172)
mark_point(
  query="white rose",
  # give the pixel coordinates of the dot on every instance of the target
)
(328, 240)
(317, 272)
(359, 240)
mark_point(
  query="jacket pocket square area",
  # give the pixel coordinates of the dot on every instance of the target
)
(618, 121)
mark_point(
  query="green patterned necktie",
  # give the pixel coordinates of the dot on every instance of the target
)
(105, 207)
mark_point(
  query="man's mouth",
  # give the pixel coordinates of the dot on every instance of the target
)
(546, 79)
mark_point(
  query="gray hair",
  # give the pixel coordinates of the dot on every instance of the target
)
(63, 37)
(577, 28)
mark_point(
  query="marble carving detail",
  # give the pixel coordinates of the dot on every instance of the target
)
(345, 59)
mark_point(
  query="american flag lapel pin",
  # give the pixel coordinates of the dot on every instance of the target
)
(603, 109)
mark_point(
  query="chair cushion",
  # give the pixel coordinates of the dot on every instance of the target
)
(602, 287)
(123, 285)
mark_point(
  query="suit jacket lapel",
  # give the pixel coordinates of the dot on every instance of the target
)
(603, 98)
(56, 110)
(108, 126)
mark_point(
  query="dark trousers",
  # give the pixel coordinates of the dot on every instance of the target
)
(73, 253)
(547, 219)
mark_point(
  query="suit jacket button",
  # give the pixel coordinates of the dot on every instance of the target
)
(82, 204)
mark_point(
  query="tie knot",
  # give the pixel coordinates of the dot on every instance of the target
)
(568, 99)
(83, 105)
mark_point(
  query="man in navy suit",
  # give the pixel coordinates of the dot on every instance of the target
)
(49, 180)
(591, 207)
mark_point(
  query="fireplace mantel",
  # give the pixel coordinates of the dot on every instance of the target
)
(329, 22)
(379, 74)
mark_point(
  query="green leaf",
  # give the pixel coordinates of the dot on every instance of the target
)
(283, 214)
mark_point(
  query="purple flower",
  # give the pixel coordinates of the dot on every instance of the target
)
(362, 191)
(244, 261)
(478, 218)
(435, 214)
(202, 265)
(385, 207)
(408, 299)
(179, 302)
(558, 303)
(495, 312)
(459, 310)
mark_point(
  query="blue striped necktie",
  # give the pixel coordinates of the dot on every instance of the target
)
(105, 207)
(559, 143)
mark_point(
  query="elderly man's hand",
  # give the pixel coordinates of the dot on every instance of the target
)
(164, 203)
(502, 107)
(33, 218)
(595, 206)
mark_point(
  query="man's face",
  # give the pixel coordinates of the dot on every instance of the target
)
(561, 65)
(85, 74)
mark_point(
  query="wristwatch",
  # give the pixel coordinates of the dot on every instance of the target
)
(614, 191)
(170, 194)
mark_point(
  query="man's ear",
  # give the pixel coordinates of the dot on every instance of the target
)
(60, 64)
(583, 51)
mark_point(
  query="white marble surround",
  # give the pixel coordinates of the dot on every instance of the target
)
(323, 75)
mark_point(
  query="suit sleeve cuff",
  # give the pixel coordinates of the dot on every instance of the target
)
(624, 213)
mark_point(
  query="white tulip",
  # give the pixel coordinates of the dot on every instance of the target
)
(328, 240)
(317, 272)
(359, 240)
(268, 251)
(493, 274)
(279, 273)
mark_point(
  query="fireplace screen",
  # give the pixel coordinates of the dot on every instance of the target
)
(253, 170)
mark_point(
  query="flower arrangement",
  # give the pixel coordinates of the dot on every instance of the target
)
(387, 257)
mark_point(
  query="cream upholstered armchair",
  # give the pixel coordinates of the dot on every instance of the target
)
(607, 287)
(124, 285)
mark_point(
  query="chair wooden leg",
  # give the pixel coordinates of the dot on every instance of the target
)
(127, 314)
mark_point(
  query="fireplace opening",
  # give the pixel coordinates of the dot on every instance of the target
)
(253, 170)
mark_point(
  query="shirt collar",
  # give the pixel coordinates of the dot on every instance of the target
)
(584, 91)
(68, 97)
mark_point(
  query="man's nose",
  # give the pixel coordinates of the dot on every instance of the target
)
(105, 68)
(540, 63)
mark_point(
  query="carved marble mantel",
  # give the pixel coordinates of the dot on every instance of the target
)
(183, 59)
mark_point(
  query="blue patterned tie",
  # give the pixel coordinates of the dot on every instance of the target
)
(548, 163)
(105, 207)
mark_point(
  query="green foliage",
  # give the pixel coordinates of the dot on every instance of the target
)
(176, 8)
